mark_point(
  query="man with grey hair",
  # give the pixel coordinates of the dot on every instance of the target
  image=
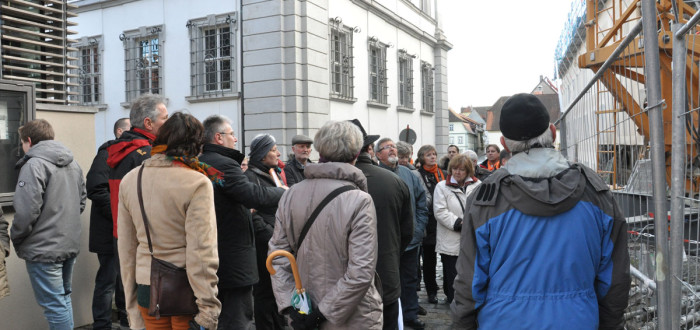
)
(238, 270)
(147, 115)
(552, 225)
(294, 169)
(388, 158)
(479, 172)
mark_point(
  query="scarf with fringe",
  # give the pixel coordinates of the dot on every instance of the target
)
(216, 176)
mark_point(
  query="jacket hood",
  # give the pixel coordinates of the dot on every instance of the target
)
(538, 196)
(49, 150)
(224, 151)
(122, 147)
(337, 171)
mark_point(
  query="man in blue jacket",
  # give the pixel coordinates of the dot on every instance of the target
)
(387, 154)
(543, 245)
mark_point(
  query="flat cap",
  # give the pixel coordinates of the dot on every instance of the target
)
(301, 139)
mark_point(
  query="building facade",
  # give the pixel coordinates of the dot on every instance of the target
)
(278, 67)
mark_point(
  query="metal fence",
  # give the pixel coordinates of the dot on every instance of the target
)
(641, 134)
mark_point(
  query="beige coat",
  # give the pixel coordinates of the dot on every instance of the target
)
(179, 203)
(338, 257)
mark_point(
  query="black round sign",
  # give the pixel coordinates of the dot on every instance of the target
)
(408, 135)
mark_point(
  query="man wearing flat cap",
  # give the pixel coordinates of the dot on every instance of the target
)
(392, 200)
(294, 169)
(543, 243)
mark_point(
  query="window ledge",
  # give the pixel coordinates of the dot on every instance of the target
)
(401, 108)
(205, 98)
(125, 105)
(427, 113)
(374, 104)
(335, 97)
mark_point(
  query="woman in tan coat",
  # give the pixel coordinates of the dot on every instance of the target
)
(179, 204)
(338, 256)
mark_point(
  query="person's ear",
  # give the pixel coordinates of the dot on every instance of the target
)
(503, 143)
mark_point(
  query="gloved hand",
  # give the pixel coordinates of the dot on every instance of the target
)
(458, 225)
(195, 326)
(307, 321)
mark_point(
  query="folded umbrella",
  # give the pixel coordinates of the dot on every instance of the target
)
(300, 301)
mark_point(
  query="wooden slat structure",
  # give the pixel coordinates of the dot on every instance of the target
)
(35, 44)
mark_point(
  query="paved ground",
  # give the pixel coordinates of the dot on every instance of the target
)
(438, 317)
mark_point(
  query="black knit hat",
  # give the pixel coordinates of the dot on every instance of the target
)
(523, 117)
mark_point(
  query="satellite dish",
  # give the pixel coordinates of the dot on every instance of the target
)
(408, 135)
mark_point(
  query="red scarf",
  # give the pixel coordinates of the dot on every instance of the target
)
(436, 171)
(148, 135)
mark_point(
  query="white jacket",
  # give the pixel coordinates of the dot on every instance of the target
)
(448, 200)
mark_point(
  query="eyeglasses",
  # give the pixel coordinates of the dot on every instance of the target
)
(226, 133)
(388, 146)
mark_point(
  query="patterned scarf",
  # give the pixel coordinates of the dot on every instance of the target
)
(436, 171)
(216, 176)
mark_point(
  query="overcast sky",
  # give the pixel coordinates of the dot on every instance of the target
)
(500, 47)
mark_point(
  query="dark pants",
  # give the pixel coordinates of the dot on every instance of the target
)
(449, 272)
(265, 306)
(236, 308)
(429, 265)
(105, 280)
(391, 316)
(119, 299)
(409, 282)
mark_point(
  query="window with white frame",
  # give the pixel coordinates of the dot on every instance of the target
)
(405, 79)
(452, 127)
(212, 52)
(378, 91)
(425, 6)
(460, 140)
(90, 70)
(452, 140)
(341, 60)
(427, 84)
(143, 59)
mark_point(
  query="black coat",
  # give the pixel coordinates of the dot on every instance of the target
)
(294, 171)
(97, 186)
(430, 183)
(392, 200)
(233, 201)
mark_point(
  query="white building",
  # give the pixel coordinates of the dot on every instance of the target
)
(271, 66)
(466, 132)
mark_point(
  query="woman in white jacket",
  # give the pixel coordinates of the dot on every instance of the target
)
(449, 206)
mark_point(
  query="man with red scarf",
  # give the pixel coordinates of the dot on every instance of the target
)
(148, 113)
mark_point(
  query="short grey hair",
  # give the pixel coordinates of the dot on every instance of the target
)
(214, 124)
(471, 155)
(404, 149)
(338, 141)
(545, 140)
(382, 141)
(144, 107)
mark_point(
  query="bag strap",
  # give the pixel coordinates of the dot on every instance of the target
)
(459, 200)
(318, 210)
(143, 211)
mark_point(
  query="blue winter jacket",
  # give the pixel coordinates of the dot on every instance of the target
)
(542, 253)
(420, 211)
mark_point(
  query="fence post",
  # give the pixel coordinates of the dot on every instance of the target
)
(677, 172)
(658, 159)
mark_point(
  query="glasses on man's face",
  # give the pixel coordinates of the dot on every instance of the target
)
(388, 146)
(226, 133)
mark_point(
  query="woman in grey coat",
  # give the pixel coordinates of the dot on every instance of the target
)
(338, 256)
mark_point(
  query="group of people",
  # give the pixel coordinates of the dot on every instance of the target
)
(528, 241)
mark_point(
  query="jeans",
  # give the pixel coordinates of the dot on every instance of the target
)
(105, 281)
(409, 282)
(236, 308)
(449, 271)
(52, 288)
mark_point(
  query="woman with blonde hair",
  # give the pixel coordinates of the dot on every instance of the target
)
(449, 206)
(178, 201)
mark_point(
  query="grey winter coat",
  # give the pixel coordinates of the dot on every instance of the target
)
(338, 257)
(49, 198)
(5, 244)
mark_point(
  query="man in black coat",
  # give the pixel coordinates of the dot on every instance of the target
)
(294, 170)
(238, 270)
(100, 242)
(392, 200)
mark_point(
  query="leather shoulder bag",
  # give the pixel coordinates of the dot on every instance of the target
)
(171, 293)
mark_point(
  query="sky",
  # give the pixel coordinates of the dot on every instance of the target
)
(500, 48)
